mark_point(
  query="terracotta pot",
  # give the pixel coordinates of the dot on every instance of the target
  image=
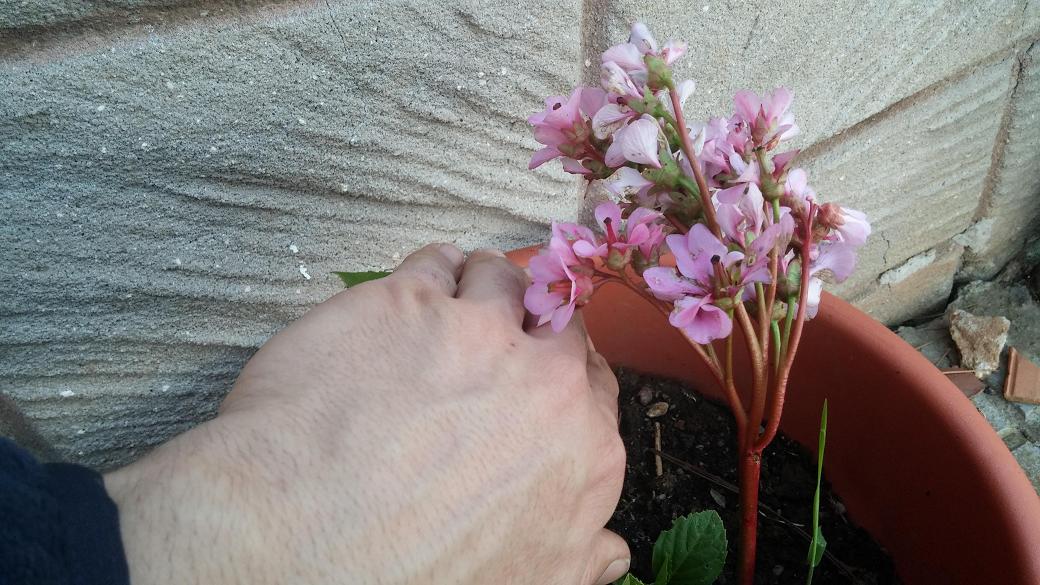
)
(915, 464)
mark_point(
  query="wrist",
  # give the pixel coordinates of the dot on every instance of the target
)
(176, 515)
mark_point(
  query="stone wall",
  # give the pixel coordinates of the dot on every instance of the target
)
(178, 178)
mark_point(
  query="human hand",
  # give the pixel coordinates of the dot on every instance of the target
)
(408, 430)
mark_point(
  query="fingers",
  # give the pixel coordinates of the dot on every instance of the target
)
(610, 559)
(490, 279)
(603, 382)
(572, 340)
(438, 265)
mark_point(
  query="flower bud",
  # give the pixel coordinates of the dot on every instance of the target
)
(787, 285)
(830, 216)
(640, 262)
(617, 260)
(725, 303)
(659, 74)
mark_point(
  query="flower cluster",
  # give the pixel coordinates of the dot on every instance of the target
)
(721, 196)
(566, 273)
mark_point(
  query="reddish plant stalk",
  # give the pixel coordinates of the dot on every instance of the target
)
(777, 404)
(698, 176)
(751, 442)
(751, 451)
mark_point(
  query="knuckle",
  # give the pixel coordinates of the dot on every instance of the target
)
(612, 458)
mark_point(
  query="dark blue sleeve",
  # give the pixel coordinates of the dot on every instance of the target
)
(57, 524)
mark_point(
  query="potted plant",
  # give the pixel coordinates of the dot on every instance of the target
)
(708, 268)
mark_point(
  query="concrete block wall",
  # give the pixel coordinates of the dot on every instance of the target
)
(179, 177)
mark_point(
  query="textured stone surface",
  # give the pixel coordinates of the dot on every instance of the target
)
(933, 340)
(178, 177)
(918, 172)
(1001, 414)
(170, 201)
(1016, 303)
(845, 61)
(1011, 301)
(921, 285)
(1028, 457)
(1011, 209)
(980, 340)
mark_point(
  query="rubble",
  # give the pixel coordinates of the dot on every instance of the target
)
(980, 340)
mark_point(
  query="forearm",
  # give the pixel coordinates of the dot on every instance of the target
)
(178, 514)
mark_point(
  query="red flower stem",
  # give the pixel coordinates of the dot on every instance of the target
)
(592, 151)
(758, 373)
(750, 468)
(730, 388)
(777, 404)
(678, 225)
(713, 365)
(763, 319)
(698, 176)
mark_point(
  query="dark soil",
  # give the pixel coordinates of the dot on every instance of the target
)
(700, 433)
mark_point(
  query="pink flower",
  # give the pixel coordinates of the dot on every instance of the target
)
(755, 267)
(619, 82)
(780, 162)
(740, 210)
(647, 45)
(700, 320)
(832, 260)
(797, 192)
(630, 56)
(610, 117)
(556, 289)
(572, 242)
(838, 259)
(643, 229)
(850, 225)
(564, 127)
(636, 143)
(691, 290)
(767, 118)
(629, 183)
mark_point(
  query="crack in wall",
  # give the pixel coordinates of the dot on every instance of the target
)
(992, 180)
(335, 25)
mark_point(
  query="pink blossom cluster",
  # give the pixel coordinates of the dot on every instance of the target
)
(764, 226)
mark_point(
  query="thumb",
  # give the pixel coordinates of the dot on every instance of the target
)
(609, 559)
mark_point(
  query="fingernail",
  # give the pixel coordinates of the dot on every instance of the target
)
(451, 252)
(489, 252)
(615, 571)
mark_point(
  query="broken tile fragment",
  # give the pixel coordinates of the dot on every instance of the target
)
(1023, 380)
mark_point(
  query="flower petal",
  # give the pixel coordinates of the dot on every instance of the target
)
(543, 156)
(626, 55)
(609, 118)
(562, 316)
(637, 142)
(642, 39)
(608, 210)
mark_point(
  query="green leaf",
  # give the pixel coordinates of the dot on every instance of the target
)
(629, 579)
(355, 278)
(818, 544)
(692, 552)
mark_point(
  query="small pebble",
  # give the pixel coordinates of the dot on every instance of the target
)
(645, 395)
(718, 497)
(67, 393)
(778, 570)
(657, 409)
